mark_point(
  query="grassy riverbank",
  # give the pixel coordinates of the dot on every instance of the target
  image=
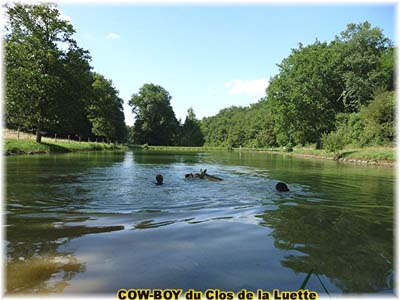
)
(14, 147)
(367, 155)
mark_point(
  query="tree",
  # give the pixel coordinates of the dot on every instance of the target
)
(33, 37)
(304, 96)
(334, 142)
(155, 122)
(75, 94)
(378, 116)
(366, 59)
(318, 81)
(191, 134)
(106, 111)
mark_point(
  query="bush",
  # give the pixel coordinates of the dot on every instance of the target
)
(289, 147)
(379, 119)
(351, 126)
(334, 142)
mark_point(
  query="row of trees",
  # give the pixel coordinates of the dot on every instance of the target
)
(345, 85)
(50, 85)
(323, 92)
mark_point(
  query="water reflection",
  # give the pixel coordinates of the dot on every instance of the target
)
(354, 248)
(34, 261)
(40, 219)
(336, 220)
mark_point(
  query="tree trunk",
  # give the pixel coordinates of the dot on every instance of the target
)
(38, 136)
(18, 133)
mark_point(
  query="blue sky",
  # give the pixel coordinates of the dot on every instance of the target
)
(207, 57)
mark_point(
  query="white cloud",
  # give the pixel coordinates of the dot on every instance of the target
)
(112, 36)
(254, 88)
(65, 17)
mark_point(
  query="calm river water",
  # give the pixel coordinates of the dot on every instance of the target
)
(96, 222)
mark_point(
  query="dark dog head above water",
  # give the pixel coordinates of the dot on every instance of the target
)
(282, 187)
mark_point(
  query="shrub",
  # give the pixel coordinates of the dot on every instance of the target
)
(379, 119)
(334, 142)
(289, 147)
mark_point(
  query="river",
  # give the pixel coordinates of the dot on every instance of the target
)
(96, 222)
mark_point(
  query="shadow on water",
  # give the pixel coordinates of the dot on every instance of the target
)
(354, 249)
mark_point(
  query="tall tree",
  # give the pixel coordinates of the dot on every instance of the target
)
(191, 134)
(75, 94)
(106, 111)
(33, 55)
(318, 81)
(304, 95)
(366, 61)
(155, 122)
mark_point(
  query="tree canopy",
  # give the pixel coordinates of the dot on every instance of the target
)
(50, 87)
(34, 64)
(344, 85)
(105, 110)
(155, 122)
(190, 133)
(315, 85)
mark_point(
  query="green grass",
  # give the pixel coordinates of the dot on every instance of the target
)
(371, 153)
(30, 147)
(367, 153)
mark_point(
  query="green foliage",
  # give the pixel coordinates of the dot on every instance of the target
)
(289, 147)
(155, 123)
(190, 132)
(34, 64)
(373, 125)
(49, 84)
(105, 110)
(351, 126)
(75, 94)
(379, 120)
(240, 126)
(318, 82)
(303, 95)
(333, 142)
(366, 63)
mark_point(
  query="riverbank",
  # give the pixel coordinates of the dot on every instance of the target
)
(384, 156)
(21, 147)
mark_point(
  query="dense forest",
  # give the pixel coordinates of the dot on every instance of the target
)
(50, 86)
(334, 94)
(329, 94)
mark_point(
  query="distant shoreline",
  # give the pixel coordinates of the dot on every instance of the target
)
(371, 156)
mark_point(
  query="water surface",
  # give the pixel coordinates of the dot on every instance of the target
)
(96, 222)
